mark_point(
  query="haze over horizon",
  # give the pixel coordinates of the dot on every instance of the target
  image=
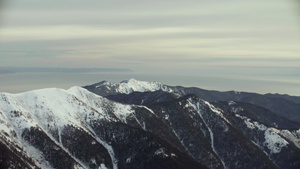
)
(230, 45)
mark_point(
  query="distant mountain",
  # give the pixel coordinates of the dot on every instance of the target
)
(106, 88)
(283, 105)
(141, 125)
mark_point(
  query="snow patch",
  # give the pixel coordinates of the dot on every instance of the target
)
(128, 160)
(293, 136)
(108, 148)
(273, 141)
(167, 117)
(217, 111)
(102, 166)
(252, 125)
(249, 124)
(77, 166)
(36, 155)
(230, 103)
(161, 151)
(236, 92)
(260, 126)
(122, 111)
(145, 107)
(5, 126)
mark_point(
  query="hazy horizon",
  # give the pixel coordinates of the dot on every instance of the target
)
(27, 81)
(221, 45)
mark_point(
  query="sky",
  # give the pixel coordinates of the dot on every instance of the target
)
(236, 40)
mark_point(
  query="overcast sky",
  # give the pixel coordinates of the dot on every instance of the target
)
(238, 39)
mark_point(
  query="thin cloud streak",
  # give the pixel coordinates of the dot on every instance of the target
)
(78, 32)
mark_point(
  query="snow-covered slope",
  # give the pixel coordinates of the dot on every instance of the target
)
(52, 110)
(53, 126)
(75, 128)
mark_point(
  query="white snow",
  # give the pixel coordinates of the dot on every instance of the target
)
(292, 136)
(36, 155)
(236, 92)
(249, 124)
(230, 103)
(239, 116)
(234, 108)
(122, 111)
(5, 126)
(140, 86)
(132, 85)
(77, 166)
(128, 160)
(161, 151)
(252, 125)
(145, 107)
(217, 111)
(108, 148)
(102, 166)
(111, 153)
(298, 133)
(143, 125)
(273, 141)
(52, 109)
(15, 116)
(260, 126)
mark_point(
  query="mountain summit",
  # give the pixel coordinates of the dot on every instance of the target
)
(127, 87)
(138, 124)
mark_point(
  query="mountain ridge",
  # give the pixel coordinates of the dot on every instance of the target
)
(283, 105)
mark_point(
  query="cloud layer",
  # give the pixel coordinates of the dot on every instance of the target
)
(228, 39)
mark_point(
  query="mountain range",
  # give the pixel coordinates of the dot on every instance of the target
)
(139, 124)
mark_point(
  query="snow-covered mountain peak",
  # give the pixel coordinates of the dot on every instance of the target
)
(134, 81)
(131, 80)
(40, 107)
(132, 85)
